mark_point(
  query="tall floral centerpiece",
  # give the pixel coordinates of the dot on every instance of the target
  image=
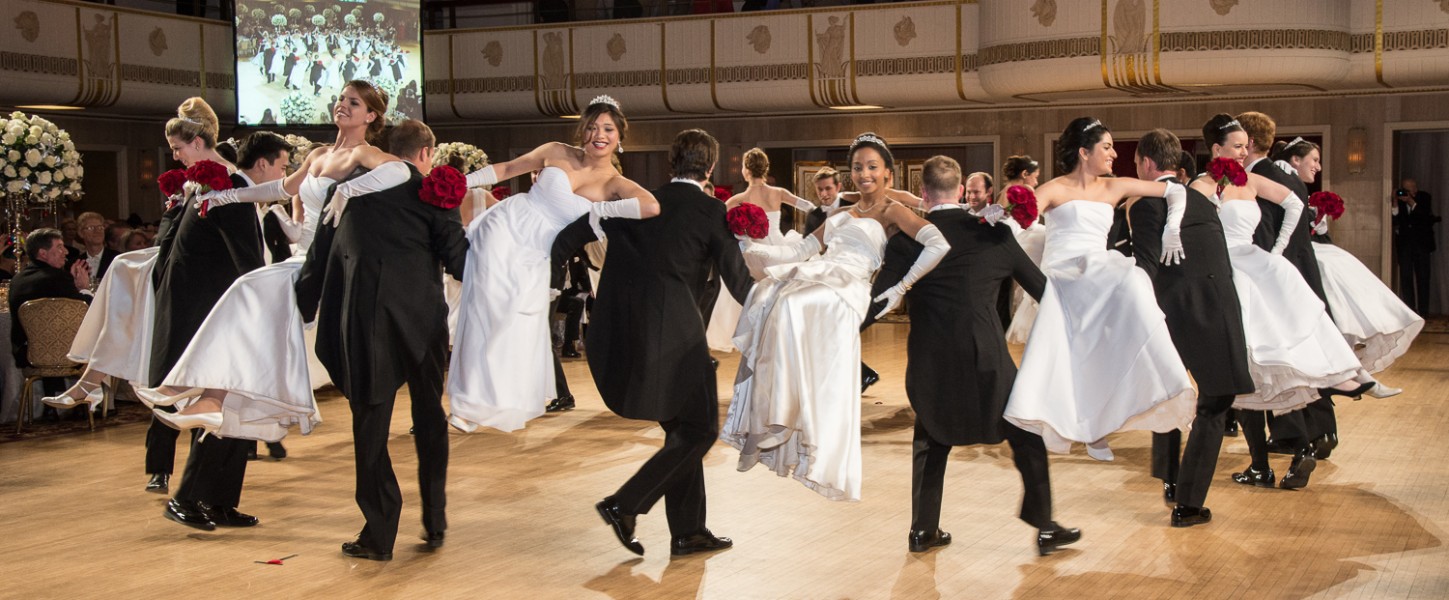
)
(39, 168)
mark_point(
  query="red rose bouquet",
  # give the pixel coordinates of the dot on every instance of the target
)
(1022, 202)
(1327, 205)
(748, 220)
(723, 192)
(500, 192)
(1227, 171)
(209, 176)
(171, 183)
(444, 188)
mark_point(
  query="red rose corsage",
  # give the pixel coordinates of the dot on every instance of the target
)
(1022, 204)
(209, 176)
(444, 188)
(724, 192)
(1328, 204)
(171, 183)
(1227, 171)
(500, 192)
(748, 220)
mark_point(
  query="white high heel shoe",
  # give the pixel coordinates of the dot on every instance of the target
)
(1100, 451)
(1380, 390)
(93, 397)
(154, 398)
(209, 422)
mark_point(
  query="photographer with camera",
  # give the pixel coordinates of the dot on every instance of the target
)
(1414, 219)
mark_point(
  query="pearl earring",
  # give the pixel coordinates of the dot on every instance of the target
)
(620, 148)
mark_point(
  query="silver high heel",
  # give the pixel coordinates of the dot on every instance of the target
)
(154, 398)
(208, 422)
(93, 397)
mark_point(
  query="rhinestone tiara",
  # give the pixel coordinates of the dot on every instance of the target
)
(1232, 123)
(869, 138)
(605, 99)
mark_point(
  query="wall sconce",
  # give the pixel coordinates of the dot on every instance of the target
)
(1018, 145)
(1357, 150)
(148, 169)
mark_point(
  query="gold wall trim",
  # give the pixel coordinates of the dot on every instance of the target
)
(201, 32)
(1257, 39)
(713, 72)
(914, 65)
(617, 79)
(1379, 43)
(1040, 50)
(484, 85)
(39, 63)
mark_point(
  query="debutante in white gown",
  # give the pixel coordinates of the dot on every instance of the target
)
(796, 405)
(120, 319)
(1371, 317)
(1293, 347)
(726, 315)
(501, 374)
(252, 344)
(1033, 241)
(1099, 358)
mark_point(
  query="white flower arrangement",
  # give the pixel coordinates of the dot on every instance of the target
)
(300, 147)
(299, 108)
(474, 158)
(38, 160)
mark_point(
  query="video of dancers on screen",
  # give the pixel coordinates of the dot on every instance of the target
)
(294, 56)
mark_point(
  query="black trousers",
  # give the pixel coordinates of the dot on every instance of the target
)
(928, 473)
(1193, 473)
(378, 494)
(161, 447)
(1003, 303)
(1316, 419)
(1414, 279)
(560, 383)
(214, 472)
(676, 471)
(573, 309)
(1294, 428)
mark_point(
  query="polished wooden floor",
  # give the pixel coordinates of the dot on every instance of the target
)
(74, 522)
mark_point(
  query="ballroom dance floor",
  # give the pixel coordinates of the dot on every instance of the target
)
(1372, 523)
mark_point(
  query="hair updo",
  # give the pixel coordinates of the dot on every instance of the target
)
(375, 99)
(194, 119)
(592, 113)
(757, 163)
(1217, 128)
(870, 140)
(1081, 134)
(1017, 166)
(1299, 149)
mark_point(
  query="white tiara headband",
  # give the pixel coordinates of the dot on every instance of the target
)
(1296, 141)
(1093, 125)
(1231, 124)
(606, 99)
(869, 138)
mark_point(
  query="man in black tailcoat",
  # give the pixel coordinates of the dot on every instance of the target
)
(959, 373)
(1206, 322)
(1315, 428)
(1413, 217)
(205, 256)
(383, 322)
(647, 348)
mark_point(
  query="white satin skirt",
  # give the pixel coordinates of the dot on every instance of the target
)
(115, 336)
(1371, 317)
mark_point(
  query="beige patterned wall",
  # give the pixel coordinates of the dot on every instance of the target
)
(119, 60)
(945, 54)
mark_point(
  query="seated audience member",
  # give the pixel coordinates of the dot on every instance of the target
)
(44, 276)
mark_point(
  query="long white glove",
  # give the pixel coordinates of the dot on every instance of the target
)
(779, 254)
(935, 250)
(802, 204)
(292, 229)
(1176, 197)
(627, 208)
(991, 213)
(484, 176)
(1292, 212)
(1321, 227)
(270, 191)
(386, 176)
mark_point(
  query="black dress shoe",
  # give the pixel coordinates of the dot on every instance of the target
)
(560, 404)
(227, 516)
(1255, 477)
(1324, 445)
(252, 453)
(1230, 429)
(921, 540)
(356, 549)
(276, 450)
(1187, 516)
(1169, 493)
(623, 524)
(569, 352)
(1329, 393)
(1277, 447)
(188, 514)
(434, 539)
(1051, 540)
(1298, 472)
(704, 541)
(714, 363)
(868, 377)
(160, 483)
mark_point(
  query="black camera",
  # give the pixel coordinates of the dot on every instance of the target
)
(1401, 192)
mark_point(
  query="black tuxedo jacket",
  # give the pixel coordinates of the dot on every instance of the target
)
(647, 348)
(815, 218)
(954, 322)
(107, 256)
(36, 280)
(377, 278)
(205, 256)
(1414, 229)
(166, 231)
(1300, 249)
(1197, 295)
(275, 238)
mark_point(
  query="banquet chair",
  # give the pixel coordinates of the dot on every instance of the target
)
(50, 324)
